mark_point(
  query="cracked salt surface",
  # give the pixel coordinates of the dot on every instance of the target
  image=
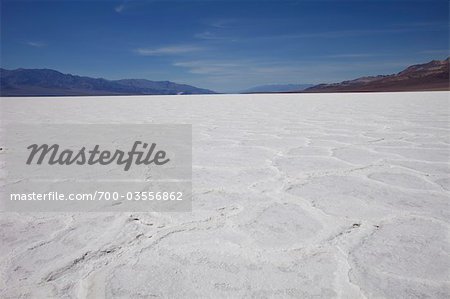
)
(321, 195)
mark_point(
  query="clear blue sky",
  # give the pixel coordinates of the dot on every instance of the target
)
(224, 45)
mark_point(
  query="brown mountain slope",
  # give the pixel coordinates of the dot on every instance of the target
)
(433, 75)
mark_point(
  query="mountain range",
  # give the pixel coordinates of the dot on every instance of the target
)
(433, 75)
(47, 82)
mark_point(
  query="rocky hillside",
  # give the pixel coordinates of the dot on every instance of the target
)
(433, 75)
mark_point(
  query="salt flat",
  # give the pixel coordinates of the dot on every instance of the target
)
(295, 195)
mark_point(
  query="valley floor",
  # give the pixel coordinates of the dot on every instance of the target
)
(294, 195)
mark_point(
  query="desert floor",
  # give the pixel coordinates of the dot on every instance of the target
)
(296, 195)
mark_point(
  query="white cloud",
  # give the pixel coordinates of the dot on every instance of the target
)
(206, 35)
(170, 50)
(327, 34)
(119, 8)
(211, 36)
(36, 44)
(243, 68)
(216, 68)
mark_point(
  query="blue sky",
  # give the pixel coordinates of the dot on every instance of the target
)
(224, 45)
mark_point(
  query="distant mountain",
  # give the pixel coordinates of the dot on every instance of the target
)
(277, 88)
(46, 82)
(433, 75)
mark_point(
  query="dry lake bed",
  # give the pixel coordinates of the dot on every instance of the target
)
(294, 195)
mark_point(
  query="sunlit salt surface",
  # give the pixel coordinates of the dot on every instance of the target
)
(296, 195)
